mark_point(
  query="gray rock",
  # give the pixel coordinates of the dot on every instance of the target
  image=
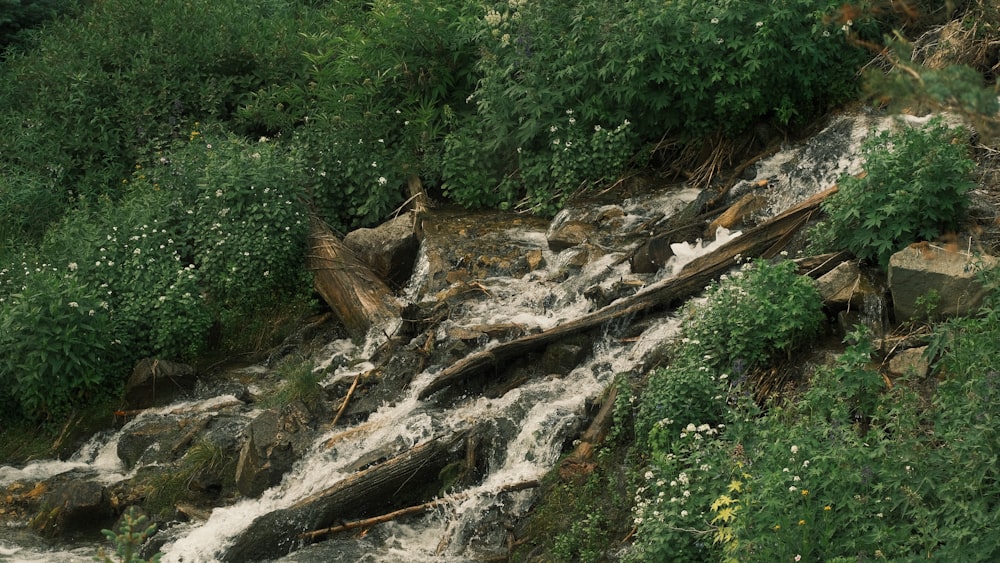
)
(389, 249)
(920, 270)
(73, 506)
(909, 362)
(273, 442)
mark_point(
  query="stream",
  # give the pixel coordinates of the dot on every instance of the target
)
(530, 426)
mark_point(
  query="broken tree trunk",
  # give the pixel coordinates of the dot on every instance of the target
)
(429, 505)
(764, 240)
(376, 488)
(358, 297)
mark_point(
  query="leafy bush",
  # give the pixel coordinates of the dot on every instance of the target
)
(852, 469)
(56, 342)
(747, 319)
(914, 188)
(680, 69)
(16, 16)
(212, 234)
(92, 96)
(383, 93)
(755, 315)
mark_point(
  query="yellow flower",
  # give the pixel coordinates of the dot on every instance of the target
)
(805, 492)
(827, 508)
(802, 522)
(777, 527)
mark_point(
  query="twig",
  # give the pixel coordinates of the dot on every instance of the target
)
(347, 398)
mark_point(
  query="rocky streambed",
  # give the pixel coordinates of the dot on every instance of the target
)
(427, 438)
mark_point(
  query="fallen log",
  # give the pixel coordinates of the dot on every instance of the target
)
(765, 240)
(277, 533)
(359, 297)
(369, 522)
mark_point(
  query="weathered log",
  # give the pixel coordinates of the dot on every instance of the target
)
(364, 493)
(358, 297)
(368, 522)
(764, 240)
(579, 462)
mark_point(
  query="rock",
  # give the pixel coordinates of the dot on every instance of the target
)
(923, 269)
(477, 246)
(909, 362)
(535, 259)
(146, 439)
(846, 286)
(651, 255)
(563, 356)
(568, 234)
(154, 379)
(73, 506)
(389, 249)
(272, 444)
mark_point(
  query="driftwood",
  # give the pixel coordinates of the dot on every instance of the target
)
(579, 462)
(764, 240)
(358, 297)
(410, 510)
(375, 488)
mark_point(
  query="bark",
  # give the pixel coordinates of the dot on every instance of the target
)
(765, 240)
(410, 510)
(358, 297)
(278, 533)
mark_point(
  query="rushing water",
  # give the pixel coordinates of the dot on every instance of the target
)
(536, 419)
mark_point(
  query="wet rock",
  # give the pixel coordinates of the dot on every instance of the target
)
(389, 249)
(568, 234)
(738, 213)
(652, 254)
(73, 506)
(563, 356)
(155, 380)
(478, 246)
(910, 362)
(143, 441)
(923, 269)
(273, 442)
(535, 259)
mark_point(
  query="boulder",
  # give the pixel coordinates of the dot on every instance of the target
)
(568, 234)
(73, 506)
(923, 269)
(154, 379)
(389, 249)
(272, 444)
(846, 286)
(652, 254)
(910, 361)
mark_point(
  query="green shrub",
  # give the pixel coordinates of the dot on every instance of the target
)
(755, 315)
(56, 341)
(746, 320)
(910, 475)
(914, 188)
(92, 96)
(384, 90)
(17, 16)
(679, 69)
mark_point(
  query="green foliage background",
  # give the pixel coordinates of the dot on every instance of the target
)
(170, 150)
